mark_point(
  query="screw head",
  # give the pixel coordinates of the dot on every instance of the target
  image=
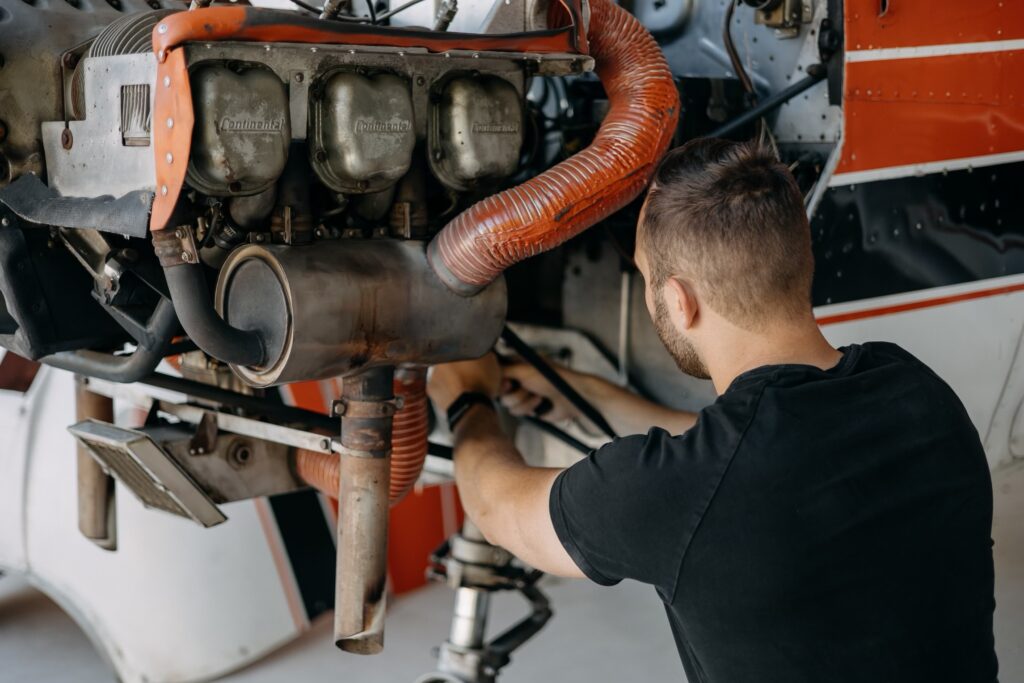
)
(170, 158)
(5, 221)
(170, 122)
(167, 81)
(163, 190)
(162, 28)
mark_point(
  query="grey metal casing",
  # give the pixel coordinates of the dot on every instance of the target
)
(476, 131)
(350, 305)
(242, 129)
(363, 131)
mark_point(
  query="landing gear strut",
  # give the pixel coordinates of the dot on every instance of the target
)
(475, 569)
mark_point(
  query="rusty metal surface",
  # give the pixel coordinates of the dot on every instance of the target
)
(96, 494)
(363, 516)
(353, 304)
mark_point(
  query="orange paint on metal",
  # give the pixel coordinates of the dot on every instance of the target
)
(275, 26)
(907, 23)
(911, 111)
(915, 305)
(173, 99)
(172, 134)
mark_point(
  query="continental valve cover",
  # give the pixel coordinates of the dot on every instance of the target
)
(363, 134)
(476, 131)
(241, 136)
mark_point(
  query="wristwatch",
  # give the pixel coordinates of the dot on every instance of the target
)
(460, 406)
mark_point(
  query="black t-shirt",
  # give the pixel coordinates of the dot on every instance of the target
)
(813, 526)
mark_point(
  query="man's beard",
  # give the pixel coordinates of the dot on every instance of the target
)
(679, 347)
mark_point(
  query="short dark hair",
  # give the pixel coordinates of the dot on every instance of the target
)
(729, 218)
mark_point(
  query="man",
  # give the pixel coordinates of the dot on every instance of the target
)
(828, 518)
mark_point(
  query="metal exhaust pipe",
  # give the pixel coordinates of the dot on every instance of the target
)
(367, 410)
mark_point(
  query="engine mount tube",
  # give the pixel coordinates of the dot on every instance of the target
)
(123, 369)
(503, 229)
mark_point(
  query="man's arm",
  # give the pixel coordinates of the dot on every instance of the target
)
(505, 498)
(627, 412)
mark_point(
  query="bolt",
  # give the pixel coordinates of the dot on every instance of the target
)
(420, 80)
(325, 444)
(67, 141)
(5, 221)
(186, 257)
(299, 77)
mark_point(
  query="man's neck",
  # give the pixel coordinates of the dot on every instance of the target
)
(798, 343)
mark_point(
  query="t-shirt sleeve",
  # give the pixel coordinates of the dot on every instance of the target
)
(629, 510)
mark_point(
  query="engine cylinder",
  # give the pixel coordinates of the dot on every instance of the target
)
(336, 308)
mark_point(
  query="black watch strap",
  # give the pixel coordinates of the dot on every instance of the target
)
(460, 406)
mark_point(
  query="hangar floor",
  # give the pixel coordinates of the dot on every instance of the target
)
(598, 634)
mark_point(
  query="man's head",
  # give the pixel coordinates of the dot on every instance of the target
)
(723, 239)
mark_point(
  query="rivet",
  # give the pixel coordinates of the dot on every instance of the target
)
(186, 257)
(5, 221)
(162, 28)
(160, 55)
(167, 81)
(170, 122)
(163, 190)
(170, 158)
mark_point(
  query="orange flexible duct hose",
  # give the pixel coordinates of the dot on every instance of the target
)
(503, 229)
(408, 442)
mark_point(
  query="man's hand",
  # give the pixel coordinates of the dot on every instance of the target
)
(451, 380)
(524, 391)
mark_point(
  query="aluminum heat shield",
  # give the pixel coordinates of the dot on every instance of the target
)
(152, 474)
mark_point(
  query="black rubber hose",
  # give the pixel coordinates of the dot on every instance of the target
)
(563, 436)
(816, 72)
(551, 375)
(202, 324)
(131, 368)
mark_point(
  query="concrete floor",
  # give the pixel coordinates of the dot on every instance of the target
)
(597, 634)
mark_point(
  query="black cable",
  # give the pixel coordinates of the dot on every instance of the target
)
(734, 57)
(390, 13)
(561, 435)
(552, 376)
(815, 73)
(308, 8)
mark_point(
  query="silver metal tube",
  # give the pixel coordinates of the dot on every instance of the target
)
(96, 518)
(469, 619)
(361, 575)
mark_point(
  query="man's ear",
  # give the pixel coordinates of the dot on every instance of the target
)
(682, 303)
